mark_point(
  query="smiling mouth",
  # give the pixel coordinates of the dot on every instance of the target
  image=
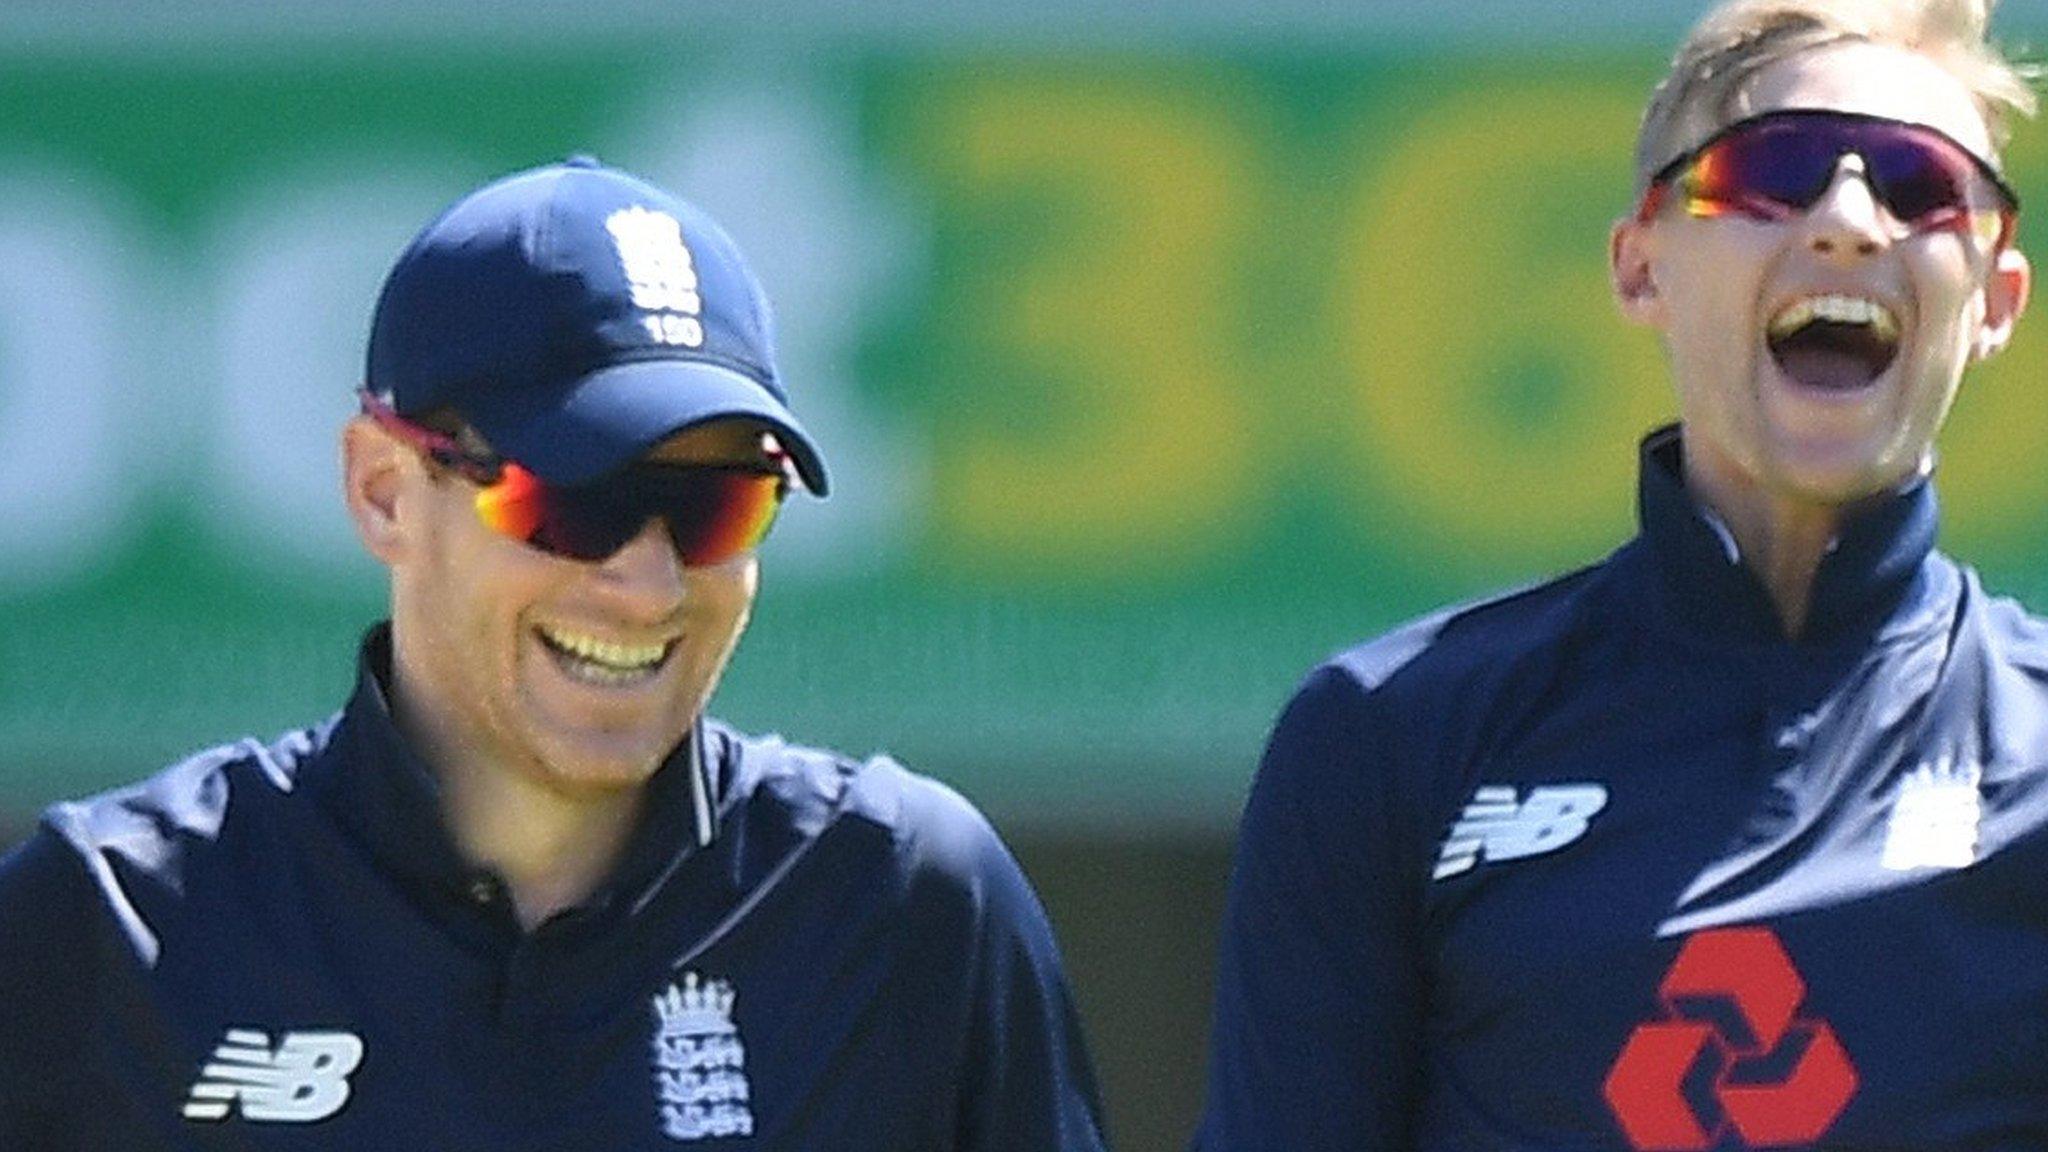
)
(1834, 343)
(602, 662)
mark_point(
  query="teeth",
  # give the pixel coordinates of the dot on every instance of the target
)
(1837, 310)
(617, 657)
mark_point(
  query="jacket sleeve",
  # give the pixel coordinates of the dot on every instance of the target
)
(1315, 1043)
(46, 977)
(1027, 1084)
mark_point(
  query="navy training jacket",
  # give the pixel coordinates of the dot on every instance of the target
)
(277, 947)
(1611, 864)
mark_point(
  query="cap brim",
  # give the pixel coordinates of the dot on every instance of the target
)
(614, 415)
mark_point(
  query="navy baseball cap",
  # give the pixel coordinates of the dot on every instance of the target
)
(577, 316)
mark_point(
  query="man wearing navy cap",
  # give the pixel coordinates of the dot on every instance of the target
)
(520, 893)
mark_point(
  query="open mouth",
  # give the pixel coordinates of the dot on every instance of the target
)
(1834, 343)
(603, 662)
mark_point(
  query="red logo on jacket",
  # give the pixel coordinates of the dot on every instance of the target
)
(1730, 1053)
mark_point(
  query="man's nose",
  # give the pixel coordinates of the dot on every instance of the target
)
(1848, 220)
(646, 571)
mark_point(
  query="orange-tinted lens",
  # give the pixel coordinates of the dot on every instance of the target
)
(713, 513)
(514, 506)
(721, 513)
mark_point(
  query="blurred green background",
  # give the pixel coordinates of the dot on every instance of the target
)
(1157, 351)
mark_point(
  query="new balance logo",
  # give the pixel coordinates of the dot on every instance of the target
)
(1495, 826)
(305, 1078)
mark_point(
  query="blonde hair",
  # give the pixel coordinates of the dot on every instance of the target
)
(1740, 38)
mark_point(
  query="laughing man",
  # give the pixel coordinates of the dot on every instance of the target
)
(1738, 838)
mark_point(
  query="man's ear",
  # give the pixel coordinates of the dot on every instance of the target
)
(373, 468)
(1632, 272)
(2005, 297)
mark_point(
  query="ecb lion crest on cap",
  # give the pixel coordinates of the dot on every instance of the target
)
(660, 274)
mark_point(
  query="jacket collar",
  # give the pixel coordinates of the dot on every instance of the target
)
(377, 787)
(1877, 568)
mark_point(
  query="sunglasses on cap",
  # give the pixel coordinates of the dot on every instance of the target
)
(713, 512)
(1774, 166)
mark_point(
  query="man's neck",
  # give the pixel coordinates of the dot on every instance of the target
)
(1781, 539)
(551, 850)
(552, 847)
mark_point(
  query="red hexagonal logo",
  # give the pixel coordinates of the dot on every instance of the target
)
(1731, 1053)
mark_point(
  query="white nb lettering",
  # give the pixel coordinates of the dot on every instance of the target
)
(305, 1078)
(1496, 826)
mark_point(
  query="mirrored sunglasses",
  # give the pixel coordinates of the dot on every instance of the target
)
(1776, 165)
(713, 512)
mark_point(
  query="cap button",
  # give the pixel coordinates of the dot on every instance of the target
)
(582, 160)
